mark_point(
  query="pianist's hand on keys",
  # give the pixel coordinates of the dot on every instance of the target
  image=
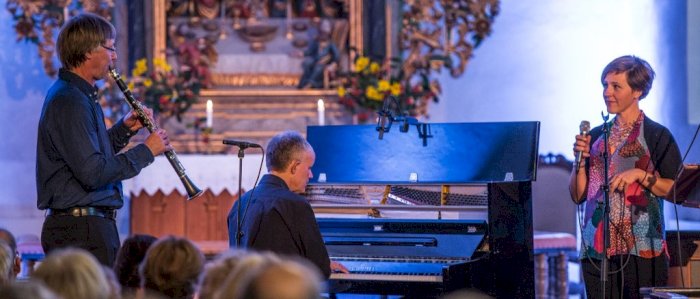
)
(338, 268)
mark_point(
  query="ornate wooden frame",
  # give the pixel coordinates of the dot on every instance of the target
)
(356, 40)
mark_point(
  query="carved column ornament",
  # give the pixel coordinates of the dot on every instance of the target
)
(37, 21)
(437, 34)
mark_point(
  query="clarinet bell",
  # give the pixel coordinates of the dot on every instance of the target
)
(192, 190)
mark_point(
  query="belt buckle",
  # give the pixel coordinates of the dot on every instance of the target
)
(76, 212)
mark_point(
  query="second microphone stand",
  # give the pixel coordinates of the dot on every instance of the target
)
(604, 263)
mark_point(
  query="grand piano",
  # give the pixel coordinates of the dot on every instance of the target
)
(434, 209)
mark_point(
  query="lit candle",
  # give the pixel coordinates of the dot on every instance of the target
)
(210, 113)
(321, 113)
(289, 20)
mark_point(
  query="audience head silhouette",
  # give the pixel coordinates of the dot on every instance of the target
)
(6, 235)
(7, 258)
(27, 289)
(216, 272)
(230, 286)
(286, 279)
(171, 267)
(130, 255)
(74, 273)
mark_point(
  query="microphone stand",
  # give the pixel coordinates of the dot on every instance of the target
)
(239, 233)
(604, 263)
(242, 146)
(383, 115)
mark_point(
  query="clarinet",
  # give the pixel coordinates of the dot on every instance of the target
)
(192, 190)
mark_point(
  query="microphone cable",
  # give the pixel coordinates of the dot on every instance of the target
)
(250, 198)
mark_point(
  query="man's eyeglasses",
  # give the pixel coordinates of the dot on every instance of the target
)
(109, 48)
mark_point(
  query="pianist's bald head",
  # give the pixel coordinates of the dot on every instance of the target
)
(284, 148)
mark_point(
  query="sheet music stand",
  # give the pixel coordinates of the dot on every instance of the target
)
(686, 190)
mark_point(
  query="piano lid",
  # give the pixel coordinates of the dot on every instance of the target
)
(438, 153)
(415, 238)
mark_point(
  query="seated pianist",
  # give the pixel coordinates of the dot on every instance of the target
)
(290, 226)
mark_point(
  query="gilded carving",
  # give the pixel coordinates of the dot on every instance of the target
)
(435, 36)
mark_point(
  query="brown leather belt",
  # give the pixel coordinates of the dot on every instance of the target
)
(84, 211)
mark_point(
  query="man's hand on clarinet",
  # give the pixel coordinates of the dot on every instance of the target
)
(158, 142)
(132, 120)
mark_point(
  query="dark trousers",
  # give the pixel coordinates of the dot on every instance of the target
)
(97, 235)
(636, 272)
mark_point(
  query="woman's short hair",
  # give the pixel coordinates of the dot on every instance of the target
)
(171, 267)
(640, 75)
(80, 35)
(284, 148)
(73, 273)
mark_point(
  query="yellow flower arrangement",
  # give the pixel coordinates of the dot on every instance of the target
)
(364, 89)
(167, 92)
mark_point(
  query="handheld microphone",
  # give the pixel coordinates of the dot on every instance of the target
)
(584, 127)
(241, 144)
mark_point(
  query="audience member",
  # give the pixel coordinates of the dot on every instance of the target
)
(215, 272)
(7, 236)
(6, 261)
(73, 273)
(223, 278)
(115, 288)
(288, 279)
(26, 289)
(130, 255)
(467, 294)
(171, 267)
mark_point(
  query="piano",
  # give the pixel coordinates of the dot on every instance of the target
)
(421, 213)
(398, 256)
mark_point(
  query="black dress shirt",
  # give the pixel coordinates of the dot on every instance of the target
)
(280, 221)
(76, 161)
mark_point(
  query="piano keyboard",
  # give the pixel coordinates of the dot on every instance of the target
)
(386, 277)
(392, 269)
(419, 257)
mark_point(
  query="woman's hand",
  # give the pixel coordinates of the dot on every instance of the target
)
(622, 180)
(583, 146)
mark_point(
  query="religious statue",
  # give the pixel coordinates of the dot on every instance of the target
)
(321, 56)
(277, 8)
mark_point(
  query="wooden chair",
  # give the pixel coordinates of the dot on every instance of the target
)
(554, 222)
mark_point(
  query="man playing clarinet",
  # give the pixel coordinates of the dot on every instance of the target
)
(79, 166)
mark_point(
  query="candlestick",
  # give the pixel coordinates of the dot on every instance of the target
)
(289, 20)
(321, 113)
(210, 114)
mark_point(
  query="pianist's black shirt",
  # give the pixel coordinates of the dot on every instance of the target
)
(279, 221)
